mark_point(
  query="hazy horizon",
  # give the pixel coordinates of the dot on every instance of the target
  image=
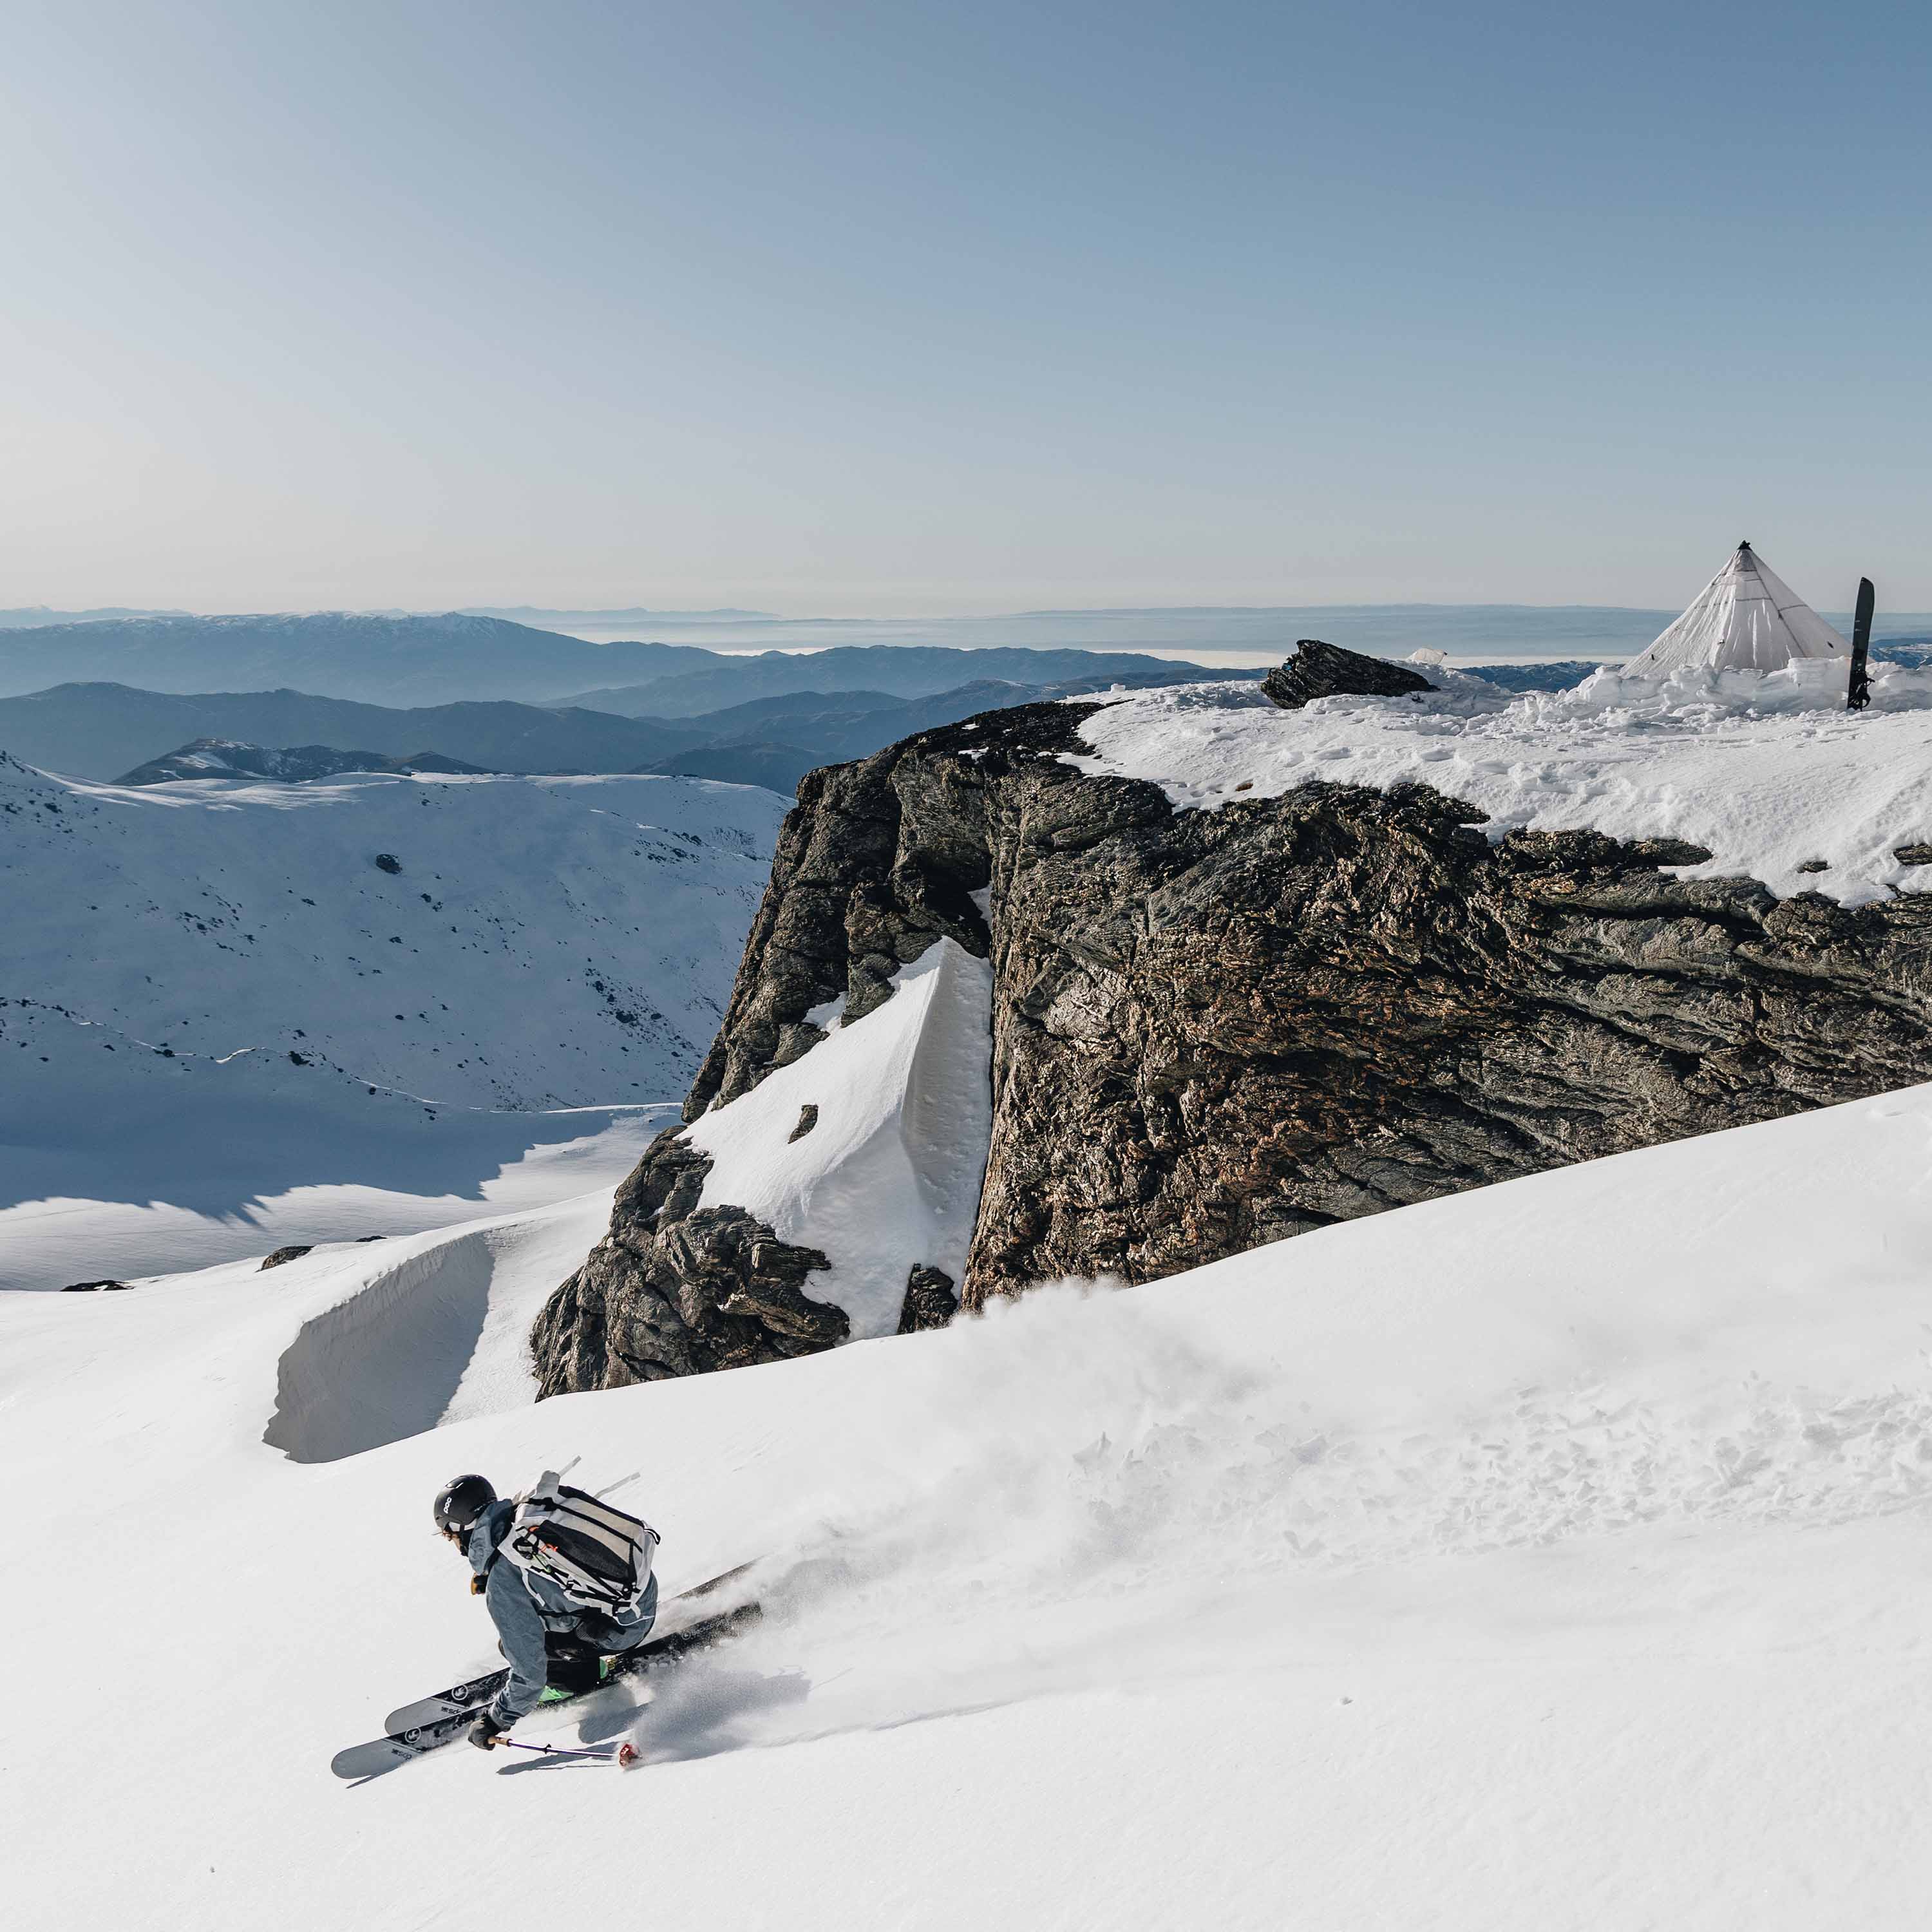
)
(1230, 638)
(950, 311)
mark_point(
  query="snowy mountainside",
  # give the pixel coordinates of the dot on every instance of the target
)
(1548, 1556)
(547, 924)
(215, 991)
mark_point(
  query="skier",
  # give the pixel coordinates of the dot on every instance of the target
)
(550, 1642)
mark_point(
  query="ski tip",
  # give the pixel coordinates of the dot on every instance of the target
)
(370, 1760)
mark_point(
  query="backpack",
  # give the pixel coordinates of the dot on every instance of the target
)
(594, 1555)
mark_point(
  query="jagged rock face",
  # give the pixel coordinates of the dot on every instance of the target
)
(1213, 1029)
(678, 1289)
(1327, 670)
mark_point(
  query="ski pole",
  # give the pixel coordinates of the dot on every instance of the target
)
(624, 1755)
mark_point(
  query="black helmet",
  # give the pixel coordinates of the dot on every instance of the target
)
(459, 1502)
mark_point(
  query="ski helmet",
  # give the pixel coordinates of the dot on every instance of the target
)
(460, 1501)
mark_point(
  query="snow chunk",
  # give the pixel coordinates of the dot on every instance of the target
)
(1768, 772)
(890, 1176)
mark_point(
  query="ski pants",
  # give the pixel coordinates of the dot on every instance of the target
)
(573, 1654)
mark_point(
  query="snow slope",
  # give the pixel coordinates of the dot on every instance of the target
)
(1767, 772)
(1555, 1555)
(888, 1177)
(217, 998)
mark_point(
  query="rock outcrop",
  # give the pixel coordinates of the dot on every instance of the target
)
(677, 1289)
(1216, 1028)
(1327, 670)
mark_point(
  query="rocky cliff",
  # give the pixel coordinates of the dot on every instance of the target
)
(1211, 1029)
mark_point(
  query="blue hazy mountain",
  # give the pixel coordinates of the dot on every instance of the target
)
(113, 731)
(376, 658)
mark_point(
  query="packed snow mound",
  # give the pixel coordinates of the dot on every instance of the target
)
(1579, 1521)
(897, 1114)
(1767, 771)
(435, 1330)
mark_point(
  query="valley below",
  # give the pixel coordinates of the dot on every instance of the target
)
(240, 1014)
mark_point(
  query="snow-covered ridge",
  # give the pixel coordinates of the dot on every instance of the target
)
(1768, 772)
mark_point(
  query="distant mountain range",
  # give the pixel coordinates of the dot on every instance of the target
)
(634, 613)
(114, 732)
(374, 660)
(113, 695)
(434, 660)
(536, 655)
(102, 730)
(38, 616)
(896, 670)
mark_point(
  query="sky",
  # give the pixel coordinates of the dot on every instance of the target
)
(926, 308)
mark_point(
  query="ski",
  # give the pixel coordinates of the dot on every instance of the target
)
(467, 1697)
(381, 1754)
(475, 1692)
(408, 1742)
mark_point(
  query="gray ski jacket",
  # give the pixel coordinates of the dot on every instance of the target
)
(527, 1610)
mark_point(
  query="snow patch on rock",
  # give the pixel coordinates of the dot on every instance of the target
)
(1767, 772)
(890, 1176)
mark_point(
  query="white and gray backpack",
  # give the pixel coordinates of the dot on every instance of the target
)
(595, 1556)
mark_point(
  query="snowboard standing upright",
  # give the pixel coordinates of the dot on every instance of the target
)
(1858, 694)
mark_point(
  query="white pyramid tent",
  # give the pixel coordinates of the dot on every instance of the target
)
(1745, 618)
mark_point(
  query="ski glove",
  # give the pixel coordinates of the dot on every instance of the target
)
(484, 1732)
